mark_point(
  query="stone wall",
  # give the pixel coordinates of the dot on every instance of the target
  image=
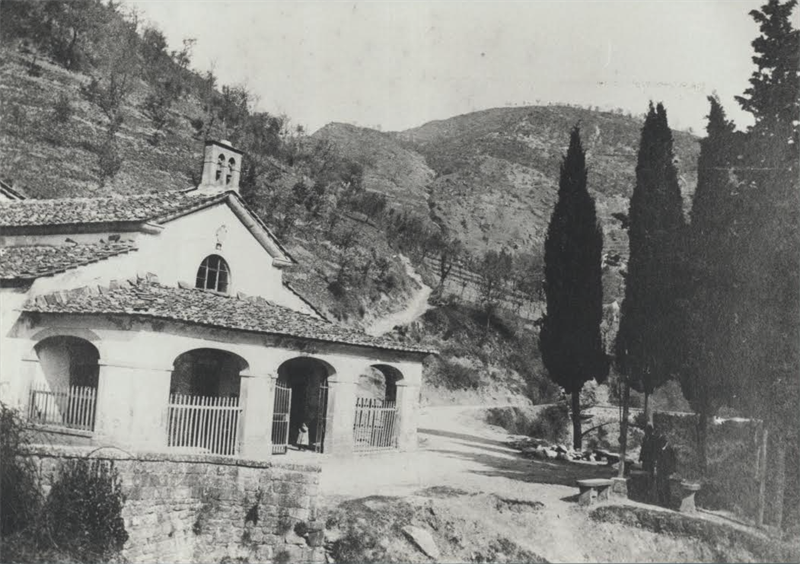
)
(733, 459)
(202, 508)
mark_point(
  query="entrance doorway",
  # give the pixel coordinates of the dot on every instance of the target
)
(306, 380)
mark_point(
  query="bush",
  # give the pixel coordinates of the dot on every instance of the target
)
(109, 160)
(62, 109)
(454, 376)
(19, 484)
(551, 423)
(83, 513)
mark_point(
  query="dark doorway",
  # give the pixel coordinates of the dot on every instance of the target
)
(308, 380)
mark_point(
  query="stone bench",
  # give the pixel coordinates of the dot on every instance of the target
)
(593, 490)
(682, 495)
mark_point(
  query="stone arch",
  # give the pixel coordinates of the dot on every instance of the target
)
(209, 372)
(78, 333)
(307, 378)
(67, 360)
(380, 381)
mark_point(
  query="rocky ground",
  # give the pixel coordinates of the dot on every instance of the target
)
(469, 496)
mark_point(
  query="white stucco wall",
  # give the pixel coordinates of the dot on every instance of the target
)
(174, 254)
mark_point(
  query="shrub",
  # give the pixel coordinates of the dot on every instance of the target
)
(62, 108)
(551, 423)
(83, 513)
(109, 160)
(454, 376)
(19, 483)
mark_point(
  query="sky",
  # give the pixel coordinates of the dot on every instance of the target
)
(396, 65)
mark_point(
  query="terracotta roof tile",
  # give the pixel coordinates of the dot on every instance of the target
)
(150, 299)
(109, 209)
(30, 262)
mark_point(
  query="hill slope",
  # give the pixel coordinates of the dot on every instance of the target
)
(491, 177)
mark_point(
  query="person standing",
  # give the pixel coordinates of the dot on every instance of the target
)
(302, 437)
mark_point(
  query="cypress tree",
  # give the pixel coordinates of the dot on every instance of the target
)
(570, 340)
(649, 337)
(768, 303)
(710, 352)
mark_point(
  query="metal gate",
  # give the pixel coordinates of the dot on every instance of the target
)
(374, 427)
(280, 418)
(322, 415)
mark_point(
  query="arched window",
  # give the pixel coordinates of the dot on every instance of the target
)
(220, 166)
(213, 274)
(231, 166)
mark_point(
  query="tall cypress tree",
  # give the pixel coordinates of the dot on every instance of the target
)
(570, 340)
(710, 352)
(649, 337)
(768, 303)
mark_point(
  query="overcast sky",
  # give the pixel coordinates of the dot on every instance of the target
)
(396, 65)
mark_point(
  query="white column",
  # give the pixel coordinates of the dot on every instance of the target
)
(408, 415)
(340, 417)
(132, 403)
(257, 398)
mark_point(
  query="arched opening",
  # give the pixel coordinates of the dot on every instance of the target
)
(375, 425)
(204, 410)
(220, 167)
(379, 381)
(301, 401)
(66, 393)
(213, 274)
(231, 167)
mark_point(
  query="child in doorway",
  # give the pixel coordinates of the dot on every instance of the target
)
(302, 437)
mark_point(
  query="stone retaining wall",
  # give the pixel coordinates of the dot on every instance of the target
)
(206, 508)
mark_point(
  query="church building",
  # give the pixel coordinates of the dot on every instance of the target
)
(161, 322)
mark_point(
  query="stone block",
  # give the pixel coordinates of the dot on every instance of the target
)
(297, 502)
(263, 553)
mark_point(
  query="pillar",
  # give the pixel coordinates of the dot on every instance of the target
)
(112, 411)
(132, 405)
(235, 175)
(340, 417)
(149, 403)
(408, 415)
(256, 397)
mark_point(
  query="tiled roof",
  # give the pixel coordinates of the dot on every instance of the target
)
(109, 209)
(29, 262)
(147, 298)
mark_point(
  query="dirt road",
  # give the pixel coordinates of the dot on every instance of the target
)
(458, 450)
(460, 453)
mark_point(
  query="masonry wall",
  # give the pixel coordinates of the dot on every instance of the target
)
(208, 508)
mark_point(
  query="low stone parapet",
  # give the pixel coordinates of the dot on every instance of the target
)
(204, 508)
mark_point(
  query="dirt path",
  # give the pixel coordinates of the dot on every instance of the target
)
(459, 450)
(460, 453)
(416, 306)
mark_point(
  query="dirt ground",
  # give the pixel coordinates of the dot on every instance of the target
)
(491, 504)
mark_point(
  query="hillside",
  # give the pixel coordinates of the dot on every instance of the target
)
(490, 177)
